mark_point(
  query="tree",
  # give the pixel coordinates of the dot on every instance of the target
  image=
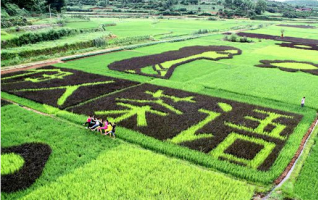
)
(57, 4)
(260, 7)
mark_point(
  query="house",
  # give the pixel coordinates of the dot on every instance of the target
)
(304, 9)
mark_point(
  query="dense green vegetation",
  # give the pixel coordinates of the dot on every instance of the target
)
(87, 165)
(10, 163)
(80, 36)
(223, 75)
(288, 32)
(76, 160)
(306, 184)
(304, 173)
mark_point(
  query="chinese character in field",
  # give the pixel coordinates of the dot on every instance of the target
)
(139, 111)
(263, 123)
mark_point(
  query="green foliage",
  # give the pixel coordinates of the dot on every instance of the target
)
(77, 169)
(263, 123)
(260, 7)
(305, 186)
(219, 151)
(100, 42)
(233, 38)
(52, 34)
(10, 163)
(194, 156)
(189, 134)
(14, 21)
(65, 44)
(291, 65)
(56, 4)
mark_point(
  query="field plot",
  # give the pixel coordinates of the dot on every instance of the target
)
(60, 87)
(215, 126)
(78, 169)
(290, 66)
(308, 33)
(238, 75)
(202, 116)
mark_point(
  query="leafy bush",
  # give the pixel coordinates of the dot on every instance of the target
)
(99, 42)
(233, 38)
(15, 21)
(46, 51)
(52, 34)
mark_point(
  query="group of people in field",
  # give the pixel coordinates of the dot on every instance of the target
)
(103, 126)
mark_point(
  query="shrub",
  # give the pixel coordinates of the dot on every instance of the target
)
(52, 34)
(15, 21)
(99, 42)
(233, 38)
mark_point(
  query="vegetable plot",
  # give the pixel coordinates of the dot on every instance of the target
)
(162, 65)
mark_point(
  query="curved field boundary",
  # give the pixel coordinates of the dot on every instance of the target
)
(296, 45)
(296, 26)
(135, 65)
(270, 64)
(302, 41)
(35, 156)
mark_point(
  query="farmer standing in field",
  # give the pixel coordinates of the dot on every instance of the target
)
(303, 102)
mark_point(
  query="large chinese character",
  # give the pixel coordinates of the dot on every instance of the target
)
(189, 134)
(52, 74)
(263, 123)
(139, 111)
(69, 90)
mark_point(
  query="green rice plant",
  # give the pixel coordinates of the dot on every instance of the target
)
(188, 135)
(77, 169)
(69, 90)
(306, 184)
(263, 123)
(295, 65)
(259, 158)
(10, 163)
